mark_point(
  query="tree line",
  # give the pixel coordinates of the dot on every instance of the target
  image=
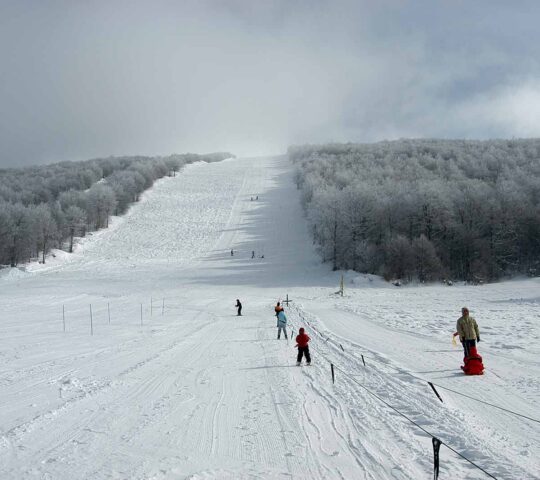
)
(44, 207)
(424, 209)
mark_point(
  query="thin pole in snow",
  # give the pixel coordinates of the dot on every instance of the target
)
(91, 321)
(109, 311)
(141, 314)
(64, 317)
(341, 347)
(332, 369)
(363, 361)
(436, 447)
(436, 393)
(163, 308)
(151, 306)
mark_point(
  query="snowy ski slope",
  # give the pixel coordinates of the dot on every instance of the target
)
(177, 386)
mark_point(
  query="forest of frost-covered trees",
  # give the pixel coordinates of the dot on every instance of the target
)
(425, 209)
(46, 207)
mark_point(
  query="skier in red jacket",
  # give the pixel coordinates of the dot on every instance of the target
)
(302, 340)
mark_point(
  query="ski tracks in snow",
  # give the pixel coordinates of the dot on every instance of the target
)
(99, 416)
(413, 398)
(199, 393)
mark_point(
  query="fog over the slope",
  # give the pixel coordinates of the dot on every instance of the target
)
(87, 79)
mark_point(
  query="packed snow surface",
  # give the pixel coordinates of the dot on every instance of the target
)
(155, 377)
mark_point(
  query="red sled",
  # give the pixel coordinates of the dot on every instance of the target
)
(473, 363)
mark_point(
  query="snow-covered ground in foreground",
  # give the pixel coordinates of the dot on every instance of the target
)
(177, 386)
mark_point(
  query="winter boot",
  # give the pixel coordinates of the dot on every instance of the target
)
(298, 364)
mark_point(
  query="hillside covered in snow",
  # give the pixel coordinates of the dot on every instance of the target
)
(126, 359)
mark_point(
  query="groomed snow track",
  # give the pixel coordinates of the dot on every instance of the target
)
(178, 386)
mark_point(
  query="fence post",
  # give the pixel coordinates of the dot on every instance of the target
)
(286, 301)
(436, 393)
(436, 447)
(91, 321)
(64, 317)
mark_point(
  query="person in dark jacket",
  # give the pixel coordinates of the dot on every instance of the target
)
(239, 307)
(302, 340)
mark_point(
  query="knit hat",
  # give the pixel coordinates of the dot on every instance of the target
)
(301, 330)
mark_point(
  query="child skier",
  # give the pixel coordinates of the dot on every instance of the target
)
(302, 340)
(281, 323)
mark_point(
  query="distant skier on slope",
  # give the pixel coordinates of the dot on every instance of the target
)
(239, 307)
(281, 324)
(302, 340)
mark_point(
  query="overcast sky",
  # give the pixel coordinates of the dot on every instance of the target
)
(82, 79)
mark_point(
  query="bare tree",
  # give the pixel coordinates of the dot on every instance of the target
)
(75, 220)
(45, 227)
(101, 204)
(427, 264)
(21, 235)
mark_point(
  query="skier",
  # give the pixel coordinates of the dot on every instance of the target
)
(468, 332)
(302, 340)
(232, 252)
(281, 324)
(239, 306)
(252, 253)
(278, 308)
